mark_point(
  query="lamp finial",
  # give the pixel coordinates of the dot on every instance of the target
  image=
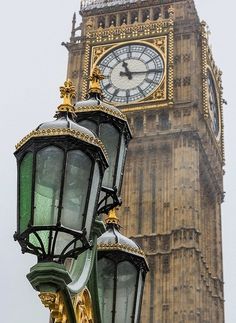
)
(95, 78)
(67, 94)
(112, 217)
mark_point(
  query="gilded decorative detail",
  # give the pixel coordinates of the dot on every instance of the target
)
(112, 217)
(171, 59)
(102, 108)
(86, 60)
(221, 116)
(55, 303)
(97, 52)
(160, 44)
(204, 70)
(120, 247)
(127, 32)
(159, 94)
(83, 307)
(208, 63)
(137, 107)
(95, 78)
(82, 304)
(67, 94)
(157, 33)
(62, 132)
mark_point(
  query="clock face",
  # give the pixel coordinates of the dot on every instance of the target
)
(131, 73)
(213, 104)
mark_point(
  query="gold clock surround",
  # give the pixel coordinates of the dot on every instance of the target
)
(208, 64)
(158, 35)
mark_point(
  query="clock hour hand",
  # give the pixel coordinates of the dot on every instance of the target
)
(127, 71)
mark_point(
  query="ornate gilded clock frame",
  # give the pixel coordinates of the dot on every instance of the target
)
(208, 64)
(159, 35)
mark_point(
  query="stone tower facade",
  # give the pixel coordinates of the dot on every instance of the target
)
(173, 181)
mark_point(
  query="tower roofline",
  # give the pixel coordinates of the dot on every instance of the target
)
(91, 5)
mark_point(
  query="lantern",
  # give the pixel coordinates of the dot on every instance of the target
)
(112, 128)
(122, 268)
(60, 170)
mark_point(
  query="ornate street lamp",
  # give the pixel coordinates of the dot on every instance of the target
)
(60, 169)
(111, 126)
(60, 179)
(122, 268)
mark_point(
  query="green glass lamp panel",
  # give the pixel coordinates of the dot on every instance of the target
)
(26, 169)
(125, 292)
(109, 135)
(106, 281)
(49, 165)
(76, 186)
(63, 239)
(44, 237)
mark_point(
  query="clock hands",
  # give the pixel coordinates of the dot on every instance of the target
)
(129, 73)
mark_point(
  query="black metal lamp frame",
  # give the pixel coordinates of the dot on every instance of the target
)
(66, 143)
(98, 117)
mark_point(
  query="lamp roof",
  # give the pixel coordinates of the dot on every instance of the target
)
(113, 240)
(95, 101)
(64, 122)
(94, 104)
(64, 125)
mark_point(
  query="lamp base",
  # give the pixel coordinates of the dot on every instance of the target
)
(51, 280)
(49, 277)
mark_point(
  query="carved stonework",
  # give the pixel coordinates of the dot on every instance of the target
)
(177, 82)
(186, 81)
(186, 57)
(75, 74)
(175, 214)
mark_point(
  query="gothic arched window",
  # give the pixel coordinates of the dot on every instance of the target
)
(151, 123)
(138, 125)
(164, 123)
(145, 15)
(112, 20)
(166, 13)
(156, 13)
(134, 17)
(101, 22)
(123, 18)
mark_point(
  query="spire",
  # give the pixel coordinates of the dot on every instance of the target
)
(74, 20)
(73, 25)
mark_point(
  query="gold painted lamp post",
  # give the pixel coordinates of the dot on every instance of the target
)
(61, 167)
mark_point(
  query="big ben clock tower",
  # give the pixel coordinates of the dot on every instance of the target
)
(160, 71)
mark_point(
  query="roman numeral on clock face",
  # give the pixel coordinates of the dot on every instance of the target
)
(108, 86)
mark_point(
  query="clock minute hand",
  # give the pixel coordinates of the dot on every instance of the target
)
(148, 71)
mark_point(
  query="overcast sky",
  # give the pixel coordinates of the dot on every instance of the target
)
(32, 67)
